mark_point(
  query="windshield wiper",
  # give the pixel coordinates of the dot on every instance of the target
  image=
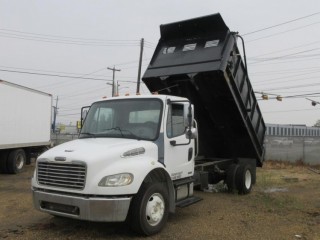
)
(115, 128)
(88, 134)
(123, 130)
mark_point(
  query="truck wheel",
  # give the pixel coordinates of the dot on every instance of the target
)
(16, 161)
(3, 162)
(231, 177)
(244, 178)
(149, 210)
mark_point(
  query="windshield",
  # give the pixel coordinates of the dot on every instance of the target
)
(132, 118)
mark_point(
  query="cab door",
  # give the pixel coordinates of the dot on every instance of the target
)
(179, 150)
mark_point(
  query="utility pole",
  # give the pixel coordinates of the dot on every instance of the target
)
(114, 86)
(140, 63)
(55, 112)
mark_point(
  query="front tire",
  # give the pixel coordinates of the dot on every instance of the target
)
(149, 210)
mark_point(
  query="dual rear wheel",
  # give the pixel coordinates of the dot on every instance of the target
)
(240, 177)
(12, 161)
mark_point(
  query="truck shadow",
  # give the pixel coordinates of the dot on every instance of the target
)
(59, 226)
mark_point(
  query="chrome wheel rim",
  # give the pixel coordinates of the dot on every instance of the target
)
(19, 161)
(248, 179)
(155, 209)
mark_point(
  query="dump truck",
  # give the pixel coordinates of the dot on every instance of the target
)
(139, 157)
(25, 125)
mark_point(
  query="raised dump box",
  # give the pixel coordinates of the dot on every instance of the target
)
(199, 59)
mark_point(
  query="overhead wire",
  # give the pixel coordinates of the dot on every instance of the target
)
(284, 61)
(62, 76)
(289, 76)
(295, 86)
(285, 56)
(292, 110)
(280, 24)
(65, 40)
(287, 49)
(66, 37)
(284, 71)
(73, 42)
(148, 45)
(279, 33)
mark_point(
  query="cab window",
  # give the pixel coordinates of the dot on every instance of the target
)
(175, 121)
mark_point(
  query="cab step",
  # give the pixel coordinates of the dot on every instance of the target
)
(188, 201)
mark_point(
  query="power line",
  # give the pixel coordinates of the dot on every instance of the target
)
(284, 71)
(71, 114)
(58, 36)
(151, 43)
(314, 94)
(279, 33)
(68, 42)
(280, 24)
(286, 49)
(292, 110)
(81, 74)
(285, 56)
(294, 56)
(290, 76)
(260, 84)
(81, 93)
(288, 61)
(296, 86)
(63, 76)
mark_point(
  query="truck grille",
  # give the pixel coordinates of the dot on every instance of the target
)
(63, 175)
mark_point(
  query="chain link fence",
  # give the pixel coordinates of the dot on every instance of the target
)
(58, 138)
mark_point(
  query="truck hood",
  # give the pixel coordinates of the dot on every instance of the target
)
(102, 157)
(91, 150)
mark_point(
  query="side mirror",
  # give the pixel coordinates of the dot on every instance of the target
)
(192, 133)
(84, 113)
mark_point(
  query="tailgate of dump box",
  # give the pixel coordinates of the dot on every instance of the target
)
(199, 59)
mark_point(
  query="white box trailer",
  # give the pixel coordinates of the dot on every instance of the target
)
(25, 125)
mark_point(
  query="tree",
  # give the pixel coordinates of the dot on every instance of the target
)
(317, 124)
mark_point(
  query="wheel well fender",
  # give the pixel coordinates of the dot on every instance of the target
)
(160, 175)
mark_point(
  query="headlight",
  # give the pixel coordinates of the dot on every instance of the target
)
(117, 180)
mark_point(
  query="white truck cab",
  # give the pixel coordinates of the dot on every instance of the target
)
(130, 154)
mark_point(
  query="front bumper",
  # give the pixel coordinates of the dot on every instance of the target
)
(85, 208)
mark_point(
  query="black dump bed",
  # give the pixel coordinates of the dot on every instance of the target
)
(199, 59)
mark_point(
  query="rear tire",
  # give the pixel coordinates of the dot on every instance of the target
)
(16, 161)
(244, 178)
(149, 210)
(231, 177)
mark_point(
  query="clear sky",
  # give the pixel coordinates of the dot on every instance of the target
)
(64, 48)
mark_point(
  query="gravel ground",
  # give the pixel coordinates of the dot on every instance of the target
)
(284, 204)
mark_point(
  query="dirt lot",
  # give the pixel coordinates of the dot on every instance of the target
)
(284, 204)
